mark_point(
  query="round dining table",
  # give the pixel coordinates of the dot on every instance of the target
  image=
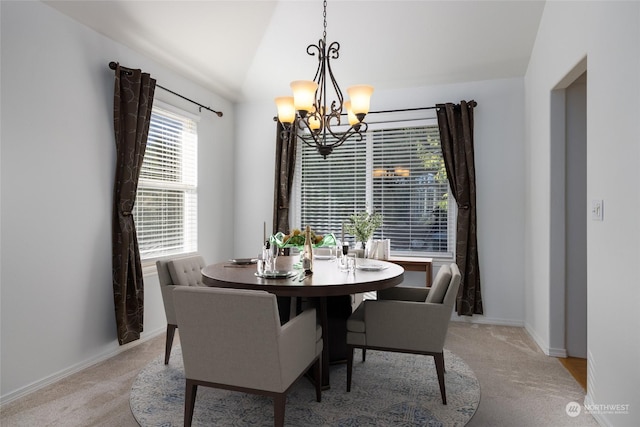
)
(328, 286)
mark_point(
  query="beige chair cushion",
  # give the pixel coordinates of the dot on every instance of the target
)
(323, 251)
(186, 271)
(355, 322)
(440, 285)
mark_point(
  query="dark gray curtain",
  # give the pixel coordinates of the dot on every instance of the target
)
(285, 167)
(133, 99)
(456, 135)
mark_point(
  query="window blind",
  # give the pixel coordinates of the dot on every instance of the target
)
(331, 189)
(396, 171)
(167, 201)
(411, 190)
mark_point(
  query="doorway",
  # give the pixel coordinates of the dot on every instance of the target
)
(576, 218)
(576, 230)
(569, 215)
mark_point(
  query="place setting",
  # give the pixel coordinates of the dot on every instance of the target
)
(366, 265)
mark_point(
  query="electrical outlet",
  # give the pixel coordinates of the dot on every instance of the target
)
(597, 210)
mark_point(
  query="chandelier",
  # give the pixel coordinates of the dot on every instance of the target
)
(307, 113)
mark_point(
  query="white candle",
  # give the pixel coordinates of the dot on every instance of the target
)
(264, 232)
(342, 241)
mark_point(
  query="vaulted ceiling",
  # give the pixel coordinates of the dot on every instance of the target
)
(252, 49)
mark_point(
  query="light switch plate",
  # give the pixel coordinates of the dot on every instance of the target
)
(597, 210)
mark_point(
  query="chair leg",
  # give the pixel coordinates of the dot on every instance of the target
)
(317, 378)
(189, 402)
(364, 354)
(278, 416)
(171, 330)
(439, 359)
(350, 350)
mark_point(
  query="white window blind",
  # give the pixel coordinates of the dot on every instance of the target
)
(396, 171)
(411, 190)
(167, 201)
(331, 189)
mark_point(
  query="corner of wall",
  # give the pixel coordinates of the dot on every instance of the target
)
(549, 351)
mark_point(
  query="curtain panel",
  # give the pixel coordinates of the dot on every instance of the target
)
(133, 99)
(285, 169)
(456, 135)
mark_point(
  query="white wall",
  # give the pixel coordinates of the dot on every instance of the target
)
(608, 35)
(58, 155)
(499, 143)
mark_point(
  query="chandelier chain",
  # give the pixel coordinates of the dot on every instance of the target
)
(324, 16)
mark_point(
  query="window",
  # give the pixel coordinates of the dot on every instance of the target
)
(166, 205)
(397, 170)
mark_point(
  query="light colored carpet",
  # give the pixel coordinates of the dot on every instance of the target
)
(389, 389)
(520, 385)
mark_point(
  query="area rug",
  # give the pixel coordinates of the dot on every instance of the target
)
(389, 389)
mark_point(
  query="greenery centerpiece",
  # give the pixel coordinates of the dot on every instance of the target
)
(295, 239)
(362, 225)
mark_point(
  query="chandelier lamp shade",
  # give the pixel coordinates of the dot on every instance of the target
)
(311, 116)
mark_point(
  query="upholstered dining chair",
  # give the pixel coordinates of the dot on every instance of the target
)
(232, 339)
(406, 320)
(182, 271)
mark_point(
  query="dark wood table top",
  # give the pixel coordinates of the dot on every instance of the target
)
(327, 279)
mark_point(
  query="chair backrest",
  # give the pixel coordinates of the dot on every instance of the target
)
(440, 285)
(182, 271)
(441, 325)
(452, 290)
(445, 285)
(229, 336)
(359, 253)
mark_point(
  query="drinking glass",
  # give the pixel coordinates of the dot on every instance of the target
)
(274, 251)
(345, 248)
(351, 263)
(266, 258)
(343, 261)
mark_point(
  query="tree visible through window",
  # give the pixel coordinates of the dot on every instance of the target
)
(398, 172)
(167, 201)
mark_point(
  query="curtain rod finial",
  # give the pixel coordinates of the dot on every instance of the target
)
(113, 65)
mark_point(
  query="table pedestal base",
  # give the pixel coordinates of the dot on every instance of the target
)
(333, 312)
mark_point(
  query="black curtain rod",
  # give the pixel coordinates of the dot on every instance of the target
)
(406, 109)
(113, 66)
(472, 103)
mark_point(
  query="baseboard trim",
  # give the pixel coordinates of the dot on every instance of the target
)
(600, 418)
(480, 319)
(549, 351)
(536, 338)
(113, 351)
(557, 352)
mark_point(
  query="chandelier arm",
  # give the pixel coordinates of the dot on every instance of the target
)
(319, 48)
(339, 135)
(334, 48)
(333, 51)
(312, 139)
